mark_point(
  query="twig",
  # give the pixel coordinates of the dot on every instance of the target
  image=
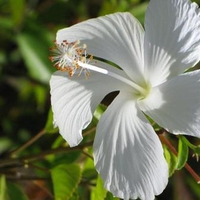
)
(187, 166)
(26, 159)
(23, 177)
(87, 154)
(89, 131)
(27, 144)
(14, 153)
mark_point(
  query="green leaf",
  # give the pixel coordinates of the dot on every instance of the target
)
(40, 95)
(197, 150)
(194, 187)
(49, 128)
(99, 192)
(182, 154)
(65, 180)
(65, 158)
(171, 160)
(35, 56)
(5, 24)
(17, 8)
(5, 144)
(139, 11)
(110, 197)
(15, 192)
(89, 171)
(99, 111)
(3, 187)
(75, 196)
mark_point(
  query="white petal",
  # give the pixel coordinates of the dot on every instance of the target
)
(127, 152)
(74, 100)
(175, 105)
(172, 39)
(117, 37)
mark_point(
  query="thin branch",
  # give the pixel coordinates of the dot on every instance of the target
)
(44, 189)
(37, 167)
(27, 144)
(87, 154)
(30, 158)
(89, 131)
(36, 137)
(22, 178)
(187, 166)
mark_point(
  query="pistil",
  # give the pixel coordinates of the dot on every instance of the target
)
(137, 87)
(71, 57)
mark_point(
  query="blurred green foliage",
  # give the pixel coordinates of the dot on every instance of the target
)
(35, 162)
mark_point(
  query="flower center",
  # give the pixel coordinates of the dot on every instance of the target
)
(72, 57)
(146, 88)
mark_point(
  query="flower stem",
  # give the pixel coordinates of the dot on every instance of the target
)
(187, 166)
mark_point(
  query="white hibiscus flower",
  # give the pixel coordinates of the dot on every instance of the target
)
(127, 152)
